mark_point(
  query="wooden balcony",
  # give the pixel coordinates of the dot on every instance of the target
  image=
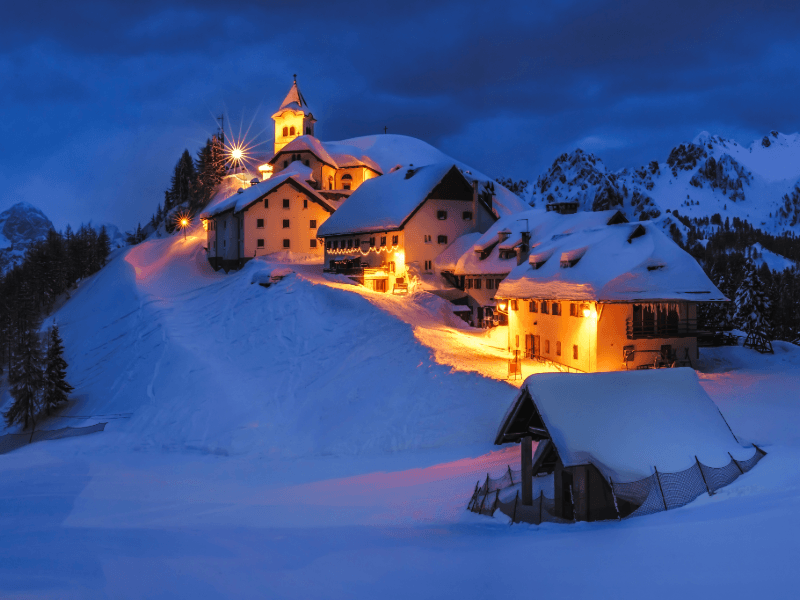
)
(658, 329)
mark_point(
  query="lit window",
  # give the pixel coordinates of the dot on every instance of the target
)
(312, 224)
(442, 239)
(260, 243)
(260, 223)
(286, 223)
(285, 243)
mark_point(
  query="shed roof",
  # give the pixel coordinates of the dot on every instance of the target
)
(624, 423)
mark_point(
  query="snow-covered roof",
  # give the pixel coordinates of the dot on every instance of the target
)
(615, 263)
(385, 203)
(447, 259)
(339, 156)
(294, 100)
(389, 151)
(295, 174)
(626, 423)
(541, 224)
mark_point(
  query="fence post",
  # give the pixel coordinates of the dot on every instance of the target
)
(759, 449)
(736, 463)
(471, 504)
(510, 476)
(702, 475)
(658, 479)
(541, 501)
(496, 500)
(514, 515)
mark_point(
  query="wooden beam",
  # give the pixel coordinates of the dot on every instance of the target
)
(526, 461)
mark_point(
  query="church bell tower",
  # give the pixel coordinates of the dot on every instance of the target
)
(293, 118)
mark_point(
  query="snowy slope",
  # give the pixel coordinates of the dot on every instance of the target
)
(759, 183)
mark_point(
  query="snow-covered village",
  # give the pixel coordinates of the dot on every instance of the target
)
(422, 301)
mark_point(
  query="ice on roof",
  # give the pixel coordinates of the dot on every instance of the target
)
(384, 203)
(626, 423)
(611, 268)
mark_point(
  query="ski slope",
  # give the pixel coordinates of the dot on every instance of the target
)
(314, 439)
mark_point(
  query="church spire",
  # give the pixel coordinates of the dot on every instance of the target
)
(293, 118)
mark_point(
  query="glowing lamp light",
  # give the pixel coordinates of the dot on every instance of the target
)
(236, 154)
(502, 306)
(587, 312)
(183, 221)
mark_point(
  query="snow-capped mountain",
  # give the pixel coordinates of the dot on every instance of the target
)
(21, 226)
(759, 183)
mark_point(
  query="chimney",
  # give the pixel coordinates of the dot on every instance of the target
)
(524, 249)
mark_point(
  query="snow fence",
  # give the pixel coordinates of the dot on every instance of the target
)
(12, 441)
(657, 493)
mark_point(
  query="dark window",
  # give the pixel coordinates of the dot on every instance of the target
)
(547, 346)
(286, 223)
(467, 215)
(260, 223)
(313, 243)
(442, 239)
(543, 306)
(573, 309)
(285, 131)
(285, 203)
(307, 163)
(532, 306)
(312, 223)
(358, 243)
(349, 243)
(395, 239)
(556, 308)
(260, 243)
(372, 242)
(490, 284)
(575, 352)
(308, 132)
(328, 245)
(477, 283)
(514, 305)
(497, 283)
(305, 203)
(285, 164)
(468, 283)
(285, 243)
(266, 203)
(441, 215)
(291, 130)
(558, 348)
(383, 240)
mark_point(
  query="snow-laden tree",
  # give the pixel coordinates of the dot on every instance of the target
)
(752, 304)
(55, 388)
(26, 378)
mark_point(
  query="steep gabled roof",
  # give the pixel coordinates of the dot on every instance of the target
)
(386, 203)
(623, 423)
(294, 101)
(338, 156)
(627, 262)
(297, 175)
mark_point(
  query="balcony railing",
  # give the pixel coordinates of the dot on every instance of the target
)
(661, 329)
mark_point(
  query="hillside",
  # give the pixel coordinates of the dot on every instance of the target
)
(759, 183)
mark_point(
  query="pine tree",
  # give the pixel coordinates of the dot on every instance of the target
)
(26, 376)
(103, 246)
(752, 304)
(55, 387)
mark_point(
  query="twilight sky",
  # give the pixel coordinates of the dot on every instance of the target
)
(99, 99)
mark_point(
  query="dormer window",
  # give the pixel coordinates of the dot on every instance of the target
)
(571, 257)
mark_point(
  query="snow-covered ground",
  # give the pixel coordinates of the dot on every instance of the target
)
(314, 439)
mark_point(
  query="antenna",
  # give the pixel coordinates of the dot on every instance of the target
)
(221, 120)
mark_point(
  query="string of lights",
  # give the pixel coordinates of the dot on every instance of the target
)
(378, 250)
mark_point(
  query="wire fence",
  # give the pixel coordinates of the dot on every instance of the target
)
(12, 441)
(656, 493)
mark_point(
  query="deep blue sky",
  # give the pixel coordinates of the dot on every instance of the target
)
(99, 99)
